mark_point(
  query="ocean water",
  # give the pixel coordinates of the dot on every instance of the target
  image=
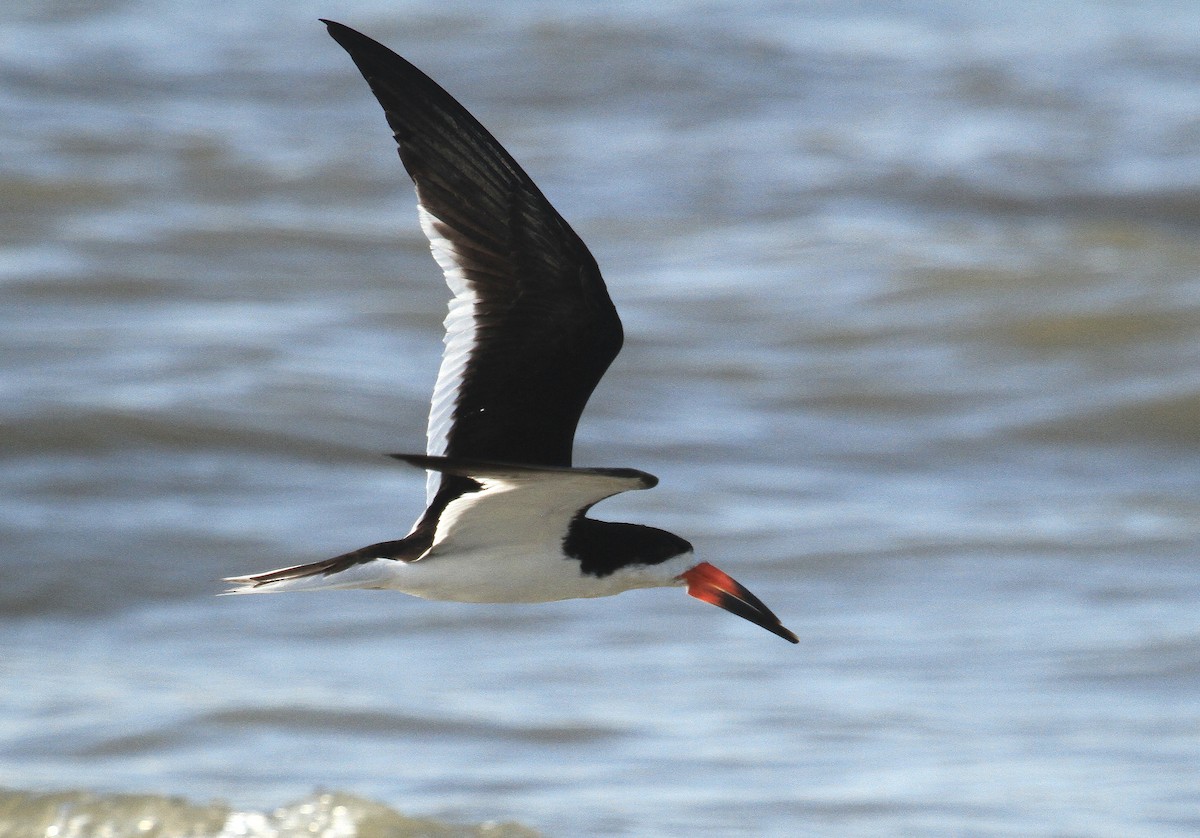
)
(912, 304)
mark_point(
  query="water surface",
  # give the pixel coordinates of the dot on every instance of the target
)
(912, 303)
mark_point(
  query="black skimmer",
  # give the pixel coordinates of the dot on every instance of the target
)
(530, 332)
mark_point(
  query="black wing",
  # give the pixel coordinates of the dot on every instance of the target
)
(531, 328)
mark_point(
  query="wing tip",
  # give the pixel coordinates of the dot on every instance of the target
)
(334, 27)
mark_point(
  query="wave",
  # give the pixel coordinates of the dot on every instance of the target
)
(82, 814)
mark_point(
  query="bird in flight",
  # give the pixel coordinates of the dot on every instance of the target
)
(530, 332)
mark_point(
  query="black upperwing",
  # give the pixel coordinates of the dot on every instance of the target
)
(531, 329)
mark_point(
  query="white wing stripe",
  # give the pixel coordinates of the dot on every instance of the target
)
(460, 326)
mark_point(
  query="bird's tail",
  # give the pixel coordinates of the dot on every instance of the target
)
(367, 567)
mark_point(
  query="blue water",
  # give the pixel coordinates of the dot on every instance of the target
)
(912, 303)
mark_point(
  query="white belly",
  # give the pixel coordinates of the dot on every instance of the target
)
(516, 575)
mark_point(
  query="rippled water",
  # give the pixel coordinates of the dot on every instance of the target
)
(912, 303)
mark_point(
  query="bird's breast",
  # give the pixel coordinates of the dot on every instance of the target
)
(519, 574)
